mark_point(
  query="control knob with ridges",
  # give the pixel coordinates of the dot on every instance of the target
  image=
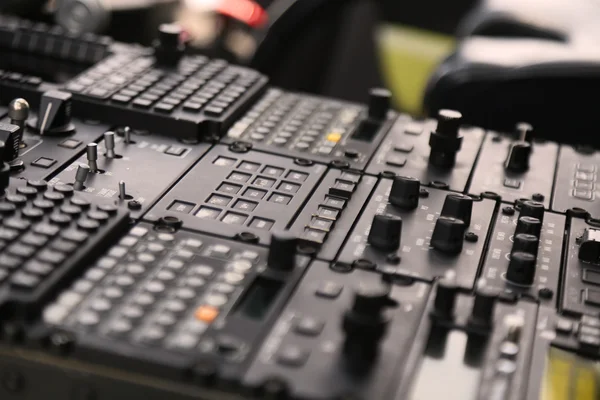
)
(405, 192)
(385, 232)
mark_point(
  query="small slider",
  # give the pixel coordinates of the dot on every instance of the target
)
(122, 192)
(81, 176)
(92, 157)
(109, 143)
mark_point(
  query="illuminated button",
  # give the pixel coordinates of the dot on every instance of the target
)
(334, 137)
(206, 314)
(208, 213)
(218, 200)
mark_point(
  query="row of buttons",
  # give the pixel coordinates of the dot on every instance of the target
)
(588, 330)
(330, 209)
(399, 160)
(583, 186)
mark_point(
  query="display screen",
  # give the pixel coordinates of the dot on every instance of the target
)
(570, 377)
(259, 297)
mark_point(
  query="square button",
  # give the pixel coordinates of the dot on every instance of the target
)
(229, 188)
(208, 213)
(280, 198)
(583, 194)
(234, 218)
(272, 171)
(404, 148)
(585, 176)
(584, 185)
(592, 297)
(181, 206)
(328, 213)
(70, 143)
(288, 187)
(261, 181)
(224, 161)
(245, 205)
(44, 162)
(261, 223)
(256, 194)
(296, 176)
(334, 202)
(177, 151)
(512, 183)
(564, 326)
(218, 200)
(248, 166)
(329, 290)
(350, 177)
(396, 161)
(321, 224)
(239, 177)
(413, 128)
(342, 189)
(591, 276)
(314, 236)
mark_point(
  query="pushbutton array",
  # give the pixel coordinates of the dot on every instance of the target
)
(583, 184)
(155, 289)
(296, 122)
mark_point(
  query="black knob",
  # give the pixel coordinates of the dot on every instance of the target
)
(4, 172)
(386, 231)
(54, 116)
(405, 192)
(530, 225)
(524, 132)
(518, 157)
(589, 246)
(170, 47)
(525, 243)
(521, 268)
(366, 322)
(9, 135)
(448, 235)
(379, 103)
(532, 209)
(482, 313)
(445, 298)
(446, 140)
(458, 206)
(282, 251)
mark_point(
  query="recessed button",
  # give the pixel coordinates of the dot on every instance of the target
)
(280, 198)
(288, 187)
(261, 223)
(245, 205)
(292, 356)
(234, 218)
(229, 188)
(329, 290)
(44, 162)
(181, 206)
(218, 200)
(208, 213)
(177, 151)
(70, 143)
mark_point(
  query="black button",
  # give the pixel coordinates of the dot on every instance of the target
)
(61, 219)
(17, 223)
(44, 162)
(70, 209)
(64, 246)
(8, 235)
(21, 250)
(42, 204)
(10, 262)
(181, 206)
(142, 103)
(214, 111)
(592, 297)
(591, 276)
(38, 184)
(350, 177)
(88, 224)
(119, 98)
(54, 196)
(588, 320)
(100, 216)
(321, 224)
(7, 208)
(176, 151)
(33, 239)
(329, 290)
(589, 341)
(67, 190)
(108, 208)
(70, 143)
(192, 106)
(261, 223)
(32, 213)
(292, 356)
(342, 189)
(51, 256)
(308, 326)
(46, 229)
(17, 199)
(74, 235)
(328, 213)
(334, 202)
(164, 107)
(21, 280)
(27, 191)
(80, 202)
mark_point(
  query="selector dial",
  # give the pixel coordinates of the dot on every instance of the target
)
(529, 225)
(54, 116)
(448, 235)
(517, 159)
(405, 192)
(533, 209)
(521, 268)
(458, 206)
(526, 243)
(170, 46)
(386, 231)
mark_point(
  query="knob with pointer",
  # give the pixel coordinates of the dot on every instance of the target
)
(54, 117)
(518, 156)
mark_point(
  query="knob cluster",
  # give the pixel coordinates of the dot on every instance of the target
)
(448, 234)
(446, 140)
(523, 257)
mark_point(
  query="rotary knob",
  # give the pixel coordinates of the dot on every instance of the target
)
(518, 157)
(446, 140)
(170, 46)
(525, 243)
(386, 231)
(521, 268)
(533, 209)
(379, 103)
(54, 116)
(405, 192)
(529, 225)
(282, 251)
(448, 235)
(458, 206)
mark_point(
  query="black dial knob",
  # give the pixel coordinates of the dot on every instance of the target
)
(379, 103)
(54, 117)
(525, 243)
(448, 235)
(446, 140)
(532, 209)
(386, 231)
(458, 206)
(366, 322)
(282, 251)
(445, 298)
(4, 171)
(521, 268)
(405, 192)
(530, 225)
(524, 132)
(517, 159)
(170, 47)
(482, 313)
(589, 246)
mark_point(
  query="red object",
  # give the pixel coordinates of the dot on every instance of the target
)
(246, 11)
